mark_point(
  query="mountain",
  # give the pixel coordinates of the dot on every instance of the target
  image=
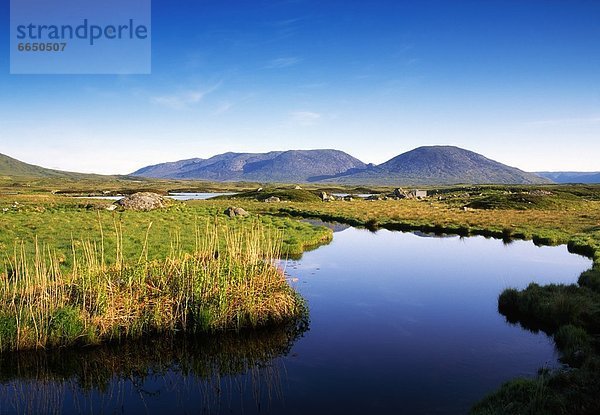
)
(276, 166)
(442, 165)
(571, 177)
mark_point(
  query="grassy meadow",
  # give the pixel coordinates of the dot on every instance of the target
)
(75, 273)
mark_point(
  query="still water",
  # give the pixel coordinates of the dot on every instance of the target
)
(176, 196)
(399, 323)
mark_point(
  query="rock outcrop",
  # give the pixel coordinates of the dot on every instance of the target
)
(232, 212)
(143, 201)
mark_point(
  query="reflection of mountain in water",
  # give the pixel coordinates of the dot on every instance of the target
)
(202, 373)
(334, 226)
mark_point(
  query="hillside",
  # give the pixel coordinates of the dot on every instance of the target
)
(571, 177)
(14, 168)
(276, 166)
(441, 165)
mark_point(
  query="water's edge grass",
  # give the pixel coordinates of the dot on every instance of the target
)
(229, 281)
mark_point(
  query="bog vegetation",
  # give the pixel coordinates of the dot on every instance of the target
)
(230, 280)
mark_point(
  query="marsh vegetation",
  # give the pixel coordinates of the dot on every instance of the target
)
(228, 281)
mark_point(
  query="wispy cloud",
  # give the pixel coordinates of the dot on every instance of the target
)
(283, 62)
(305, 118)
(566, 122)
(223, 107)
(184, 99)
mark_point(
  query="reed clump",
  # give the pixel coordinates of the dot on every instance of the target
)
(229, 281)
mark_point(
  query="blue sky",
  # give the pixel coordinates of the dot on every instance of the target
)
(518, 81)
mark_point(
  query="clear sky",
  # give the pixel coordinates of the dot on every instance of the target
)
(518, 81)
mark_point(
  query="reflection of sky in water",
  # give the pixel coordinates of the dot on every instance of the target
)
(411, 322)
(400, 323)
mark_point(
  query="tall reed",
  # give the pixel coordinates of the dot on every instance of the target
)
(229, 281)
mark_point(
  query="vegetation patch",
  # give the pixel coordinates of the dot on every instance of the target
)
(285, 195)
(229, 282)
(571, 314)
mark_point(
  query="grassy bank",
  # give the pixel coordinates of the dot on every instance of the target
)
(229, 281)
(59, 221)
(570, 314)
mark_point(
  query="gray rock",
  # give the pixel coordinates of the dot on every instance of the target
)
(240, 212)
(232, 212)
(143, 201)
(272, 199)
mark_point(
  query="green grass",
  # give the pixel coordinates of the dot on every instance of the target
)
(571, 315)
(60, 221)
(229, 281)
(284, 194)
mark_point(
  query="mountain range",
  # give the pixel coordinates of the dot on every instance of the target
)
(423, 165)
(276, 166)
(571, 177)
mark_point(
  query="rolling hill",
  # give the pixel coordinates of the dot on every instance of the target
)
(14, 168)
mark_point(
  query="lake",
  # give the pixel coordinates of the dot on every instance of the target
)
(399, 323)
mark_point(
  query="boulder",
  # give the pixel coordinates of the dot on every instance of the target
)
(143, 201)
(240, 212)
(272, 199)
(232, 212)
(327, 198)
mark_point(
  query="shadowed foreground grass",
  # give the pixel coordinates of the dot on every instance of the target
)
(230, 281)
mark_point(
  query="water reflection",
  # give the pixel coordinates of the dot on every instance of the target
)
(400, 323)
(209, 374)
